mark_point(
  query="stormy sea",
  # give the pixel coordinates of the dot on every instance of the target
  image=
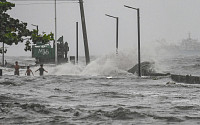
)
(101, 93)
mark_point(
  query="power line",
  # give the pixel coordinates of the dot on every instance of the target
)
(63, 1)
(44, 3)
(46, 0)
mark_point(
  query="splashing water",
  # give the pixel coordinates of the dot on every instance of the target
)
(111, 64)
(107, 65)
(102, 92)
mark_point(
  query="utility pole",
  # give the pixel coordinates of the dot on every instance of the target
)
(138, 21)
(87, 55)
(77, 42)
(56, 55)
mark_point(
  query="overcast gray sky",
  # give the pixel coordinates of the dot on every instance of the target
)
(171, 20)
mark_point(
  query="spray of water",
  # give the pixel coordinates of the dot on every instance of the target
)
(65, 69)
(158, 53)
(107, 65)
(110, 64)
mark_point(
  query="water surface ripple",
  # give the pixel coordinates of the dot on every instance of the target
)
(78, 100)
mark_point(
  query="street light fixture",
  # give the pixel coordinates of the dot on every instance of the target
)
(36, 27)
(138, 21)
(117, 30)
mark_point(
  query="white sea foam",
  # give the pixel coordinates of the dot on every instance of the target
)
(106, 65)
(65, 69)
(110, 64)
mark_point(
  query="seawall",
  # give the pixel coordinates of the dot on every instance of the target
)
(186, 79)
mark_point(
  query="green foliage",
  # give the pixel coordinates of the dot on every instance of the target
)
(4, 6)
(13, 31)
(42, 38)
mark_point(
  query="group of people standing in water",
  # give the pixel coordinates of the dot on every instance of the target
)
(29, 71)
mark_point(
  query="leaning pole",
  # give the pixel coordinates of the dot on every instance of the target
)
(87, 55)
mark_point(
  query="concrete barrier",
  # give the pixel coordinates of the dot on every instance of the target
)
(72, 59)
(186, 79)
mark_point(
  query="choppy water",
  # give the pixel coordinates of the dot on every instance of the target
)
(102, 93)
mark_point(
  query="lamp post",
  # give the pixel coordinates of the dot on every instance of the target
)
(56, 55)
(138, 21)
(36, 27)
(117, 30)
(77, 42)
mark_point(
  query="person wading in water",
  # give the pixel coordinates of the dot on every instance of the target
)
(28, 71)
(16, 68)
(41, 69)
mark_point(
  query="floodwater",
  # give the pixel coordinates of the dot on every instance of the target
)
(102, 93)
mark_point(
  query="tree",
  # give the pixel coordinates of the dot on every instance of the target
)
(35, 37)
(13, 31)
